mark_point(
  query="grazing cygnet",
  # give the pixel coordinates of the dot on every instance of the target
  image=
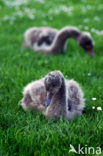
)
(53, 41)
(54, 96)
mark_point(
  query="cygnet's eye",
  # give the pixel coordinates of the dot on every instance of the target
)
(53, 85)
(88, 42)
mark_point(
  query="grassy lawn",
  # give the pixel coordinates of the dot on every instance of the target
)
(30, 133)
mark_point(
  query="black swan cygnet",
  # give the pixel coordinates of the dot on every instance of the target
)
(53, 41)
(54, 96)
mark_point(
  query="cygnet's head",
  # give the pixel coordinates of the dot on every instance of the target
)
(53, 82)
(86, 42)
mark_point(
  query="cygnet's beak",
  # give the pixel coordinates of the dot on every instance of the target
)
(48, 99)
(48, 95)
(91, 52)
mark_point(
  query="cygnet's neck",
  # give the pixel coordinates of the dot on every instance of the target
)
(61, 38)
(59, 99)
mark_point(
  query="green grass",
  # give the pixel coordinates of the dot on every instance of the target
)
(27, 133)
